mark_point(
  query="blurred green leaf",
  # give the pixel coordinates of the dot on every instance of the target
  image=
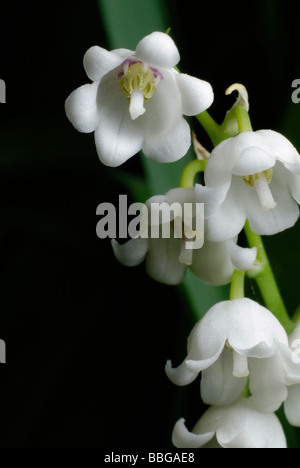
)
(128, 21)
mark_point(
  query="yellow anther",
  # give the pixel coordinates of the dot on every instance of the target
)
(252, 179)
(138, 77)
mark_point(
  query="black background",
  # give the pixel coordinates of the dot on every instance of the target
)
(87, 339)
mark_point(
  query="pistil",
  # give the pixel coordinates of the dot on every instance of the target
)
(260, 181)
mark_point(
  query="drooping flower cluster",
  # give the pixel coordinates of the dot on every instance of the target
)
(240, 345)
(249, 365)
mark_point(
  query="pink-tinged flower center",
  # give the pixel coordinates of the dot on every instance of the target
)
(138, 82)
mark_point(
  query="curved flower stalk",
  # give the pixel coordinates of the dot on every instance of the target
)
(254, 176)
(235, 341)
(167, 258)
(239, 425)
(136, 101)
(242, 98)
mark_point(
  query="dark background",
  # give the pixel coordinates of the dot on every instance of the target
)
(87, 339)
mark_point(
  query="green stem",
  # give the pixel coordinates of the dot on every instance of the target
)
(237, 285)
(264, 277)
(246, 392)
(237, 120)
(243, 119)
(211, 127)
(190, 171)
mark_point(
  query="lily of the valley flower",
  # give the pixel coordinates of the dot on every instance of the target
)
(137, 100)
(239, 425)
(167, 259)
(254, 176)
(234, 341)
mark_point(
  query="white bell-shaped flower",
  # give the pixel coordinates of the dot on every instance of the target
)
(235, 341)
(253, 176)
(137, 100)
(239, 425)
(167, 257)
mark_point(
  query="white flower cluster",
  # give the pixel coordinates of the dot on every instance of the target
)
(168, 258)
(240, 345)
(136, 101)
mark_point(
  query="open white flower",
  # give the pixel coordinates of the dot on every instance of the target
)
(234, 341)
(137, 100)
(254, 176)
(239, 425)
(167, 258)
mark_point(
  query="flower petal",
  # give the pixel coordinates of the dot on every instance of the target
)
(81, 108)
(224, 157)
(197, 95)
(278, 146)
(169, 146)
(218, 384)
(98, 61)
(242, 323)
(182, 438)
(158, 49)
(267, 383)
(253, 325)
(164, 108)
(211, 263)
(240, 425)
(228, 220)
(117, 136)
(198, 365)
(283, 216)
(292, 405)
(162, 262)
(212, 197)
(167, 134)
(290, 359)
(131, 253)
(241, 258)
(295, 187)
(180, 375)
(181, 195)
(253, 160)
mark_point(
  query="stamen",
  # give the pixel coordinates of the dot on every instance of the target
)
(138, 82)
(251, 179)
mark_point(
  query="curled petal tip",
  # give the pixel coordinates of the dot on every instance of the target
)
(242, 99)
(180, 375)
(183, 438)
